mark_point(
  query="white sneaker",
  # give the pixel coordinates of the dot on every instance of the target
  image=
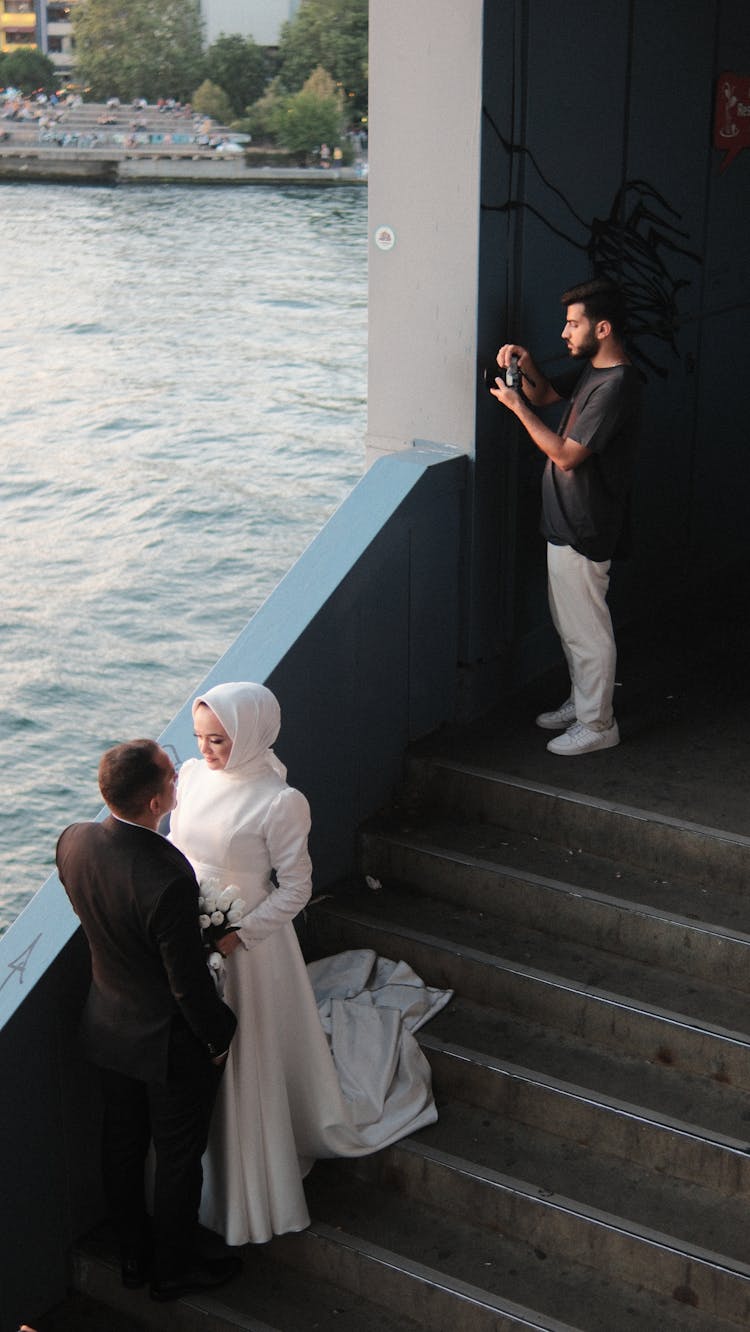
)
(580, 739)
(559, 719)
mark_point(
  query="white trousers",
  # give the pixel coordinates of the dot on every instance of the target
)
(577, 590)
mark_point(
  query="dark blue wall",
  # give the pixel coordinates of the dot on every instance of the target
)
(580, 100)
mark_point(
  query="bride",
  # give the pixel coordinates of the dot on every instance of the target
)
(291, 1091)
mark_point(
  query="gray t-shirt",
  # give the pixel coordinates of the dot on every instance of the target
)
(585, 508)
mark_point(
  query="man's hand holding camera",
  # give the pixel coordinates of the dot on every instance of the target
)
(519, 383)
(519, 378)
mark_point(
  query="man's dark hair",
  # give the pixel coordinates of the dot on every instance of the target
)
(601, 299)
(130, 775)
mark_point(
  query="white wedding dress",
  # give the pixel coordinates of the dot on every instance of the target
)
(287, 1096)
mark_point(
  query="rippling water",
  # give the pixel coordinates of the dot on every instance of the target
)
(183, 405)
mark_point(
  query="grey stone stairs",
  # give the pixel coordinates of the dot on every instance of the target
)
(591, 1161)
(590, 1167)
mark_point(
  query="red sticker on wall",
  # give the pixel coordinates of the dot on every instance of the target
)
(732, 116)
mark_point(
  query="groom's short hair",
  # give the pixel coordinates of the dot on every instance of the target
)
(601, 299)
(130, 775)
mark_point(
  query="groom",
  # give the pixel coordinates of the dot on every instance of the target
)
(153, 1022)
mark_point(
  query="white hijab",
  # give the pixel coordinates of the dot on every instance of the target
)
(251, 717)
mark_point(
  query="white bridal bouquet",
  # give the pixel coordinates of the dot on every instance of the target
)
(221, 910)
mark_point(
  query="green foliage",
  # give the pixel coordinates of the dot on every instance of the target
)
(28, 69)
(333, 34)
(260, 120)
(211, 100)
(145, 48)
(238, 65)
(310, 117)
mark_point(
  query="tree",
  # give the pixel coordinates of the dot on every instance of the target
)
(310, 117)
(179, 44)
(147, 48)
(262, 116)
(238, 65)
(211, 100)
(333, 34)
(28, 69)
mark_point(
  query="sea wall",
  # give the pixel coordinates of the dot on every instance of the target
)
(87, 166)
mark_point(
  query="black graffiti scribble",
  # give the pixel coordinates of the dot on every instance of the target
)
(631, 246)
(19, 964)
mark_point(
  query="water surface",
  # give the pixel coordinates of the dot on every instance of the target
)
(183, 405)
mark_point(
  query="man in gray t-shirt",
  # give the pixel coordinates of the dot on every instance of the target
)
(585, 492)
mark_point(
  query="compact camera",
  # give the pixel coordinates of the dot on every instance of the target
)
(512, 374)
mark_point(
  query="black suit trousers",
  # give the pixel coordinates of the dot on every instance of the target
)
(175, 1115)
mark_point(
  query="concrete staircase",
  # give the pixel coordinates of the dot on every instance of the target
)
(590, 1168)
(590, 1164)
(94, 127)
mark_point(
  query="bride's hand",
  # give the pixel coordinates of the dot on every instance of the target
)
(229, 944)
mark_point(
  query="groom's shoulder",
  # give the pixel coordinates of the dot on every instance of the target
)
(84, 834)
(122, 840)
(100, 832)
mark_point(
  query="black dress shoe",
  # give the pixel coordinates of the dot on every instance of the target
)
(205, 1274)
(136, 1270)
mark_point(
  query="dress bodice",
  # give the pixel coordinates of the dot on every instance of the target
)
(240, 828)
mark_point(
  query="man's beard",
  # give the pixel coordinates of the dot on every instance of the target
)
(586, 349)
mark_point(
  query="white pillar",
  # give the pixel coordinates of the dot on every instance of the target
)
(424, 163)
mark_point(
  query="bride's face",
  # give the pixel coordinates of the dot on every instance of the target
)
(213, 741)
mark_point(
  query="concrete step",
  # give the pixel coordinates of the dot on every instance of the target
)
(518, 1243)
(615, 1003)
(363, 1251)
(515, 1141)
(605, 904)
(664, 846)
(712, 1111)
(80, 1313)
(270, 1296)
(628, 1131)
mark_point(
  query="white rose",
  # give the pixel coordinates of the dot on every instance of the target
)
(201, 903)
(215, 961)
(217, 917)
(234, 916)
(226, 898)
(204, 921)
(210, 889)
(239, 905)
(209, 901)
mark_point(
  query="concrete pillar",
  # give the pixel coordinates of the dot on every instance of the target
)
(424, 154)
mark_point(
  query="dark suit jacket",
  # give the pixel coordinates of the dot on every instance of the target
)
(137, 899)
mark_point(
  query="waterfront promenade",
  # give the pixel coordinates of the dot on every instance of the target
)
(93, 142)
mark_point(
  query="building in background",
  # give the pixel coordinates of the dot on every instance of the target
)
(18, 23)
(259, 19)
(56, 33)
(47, 24)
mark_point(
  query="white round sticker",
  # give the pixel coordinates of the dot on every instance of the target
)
(385, 238)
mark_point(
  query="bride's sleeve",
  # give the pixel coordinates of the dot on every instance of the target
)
(285, 828)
